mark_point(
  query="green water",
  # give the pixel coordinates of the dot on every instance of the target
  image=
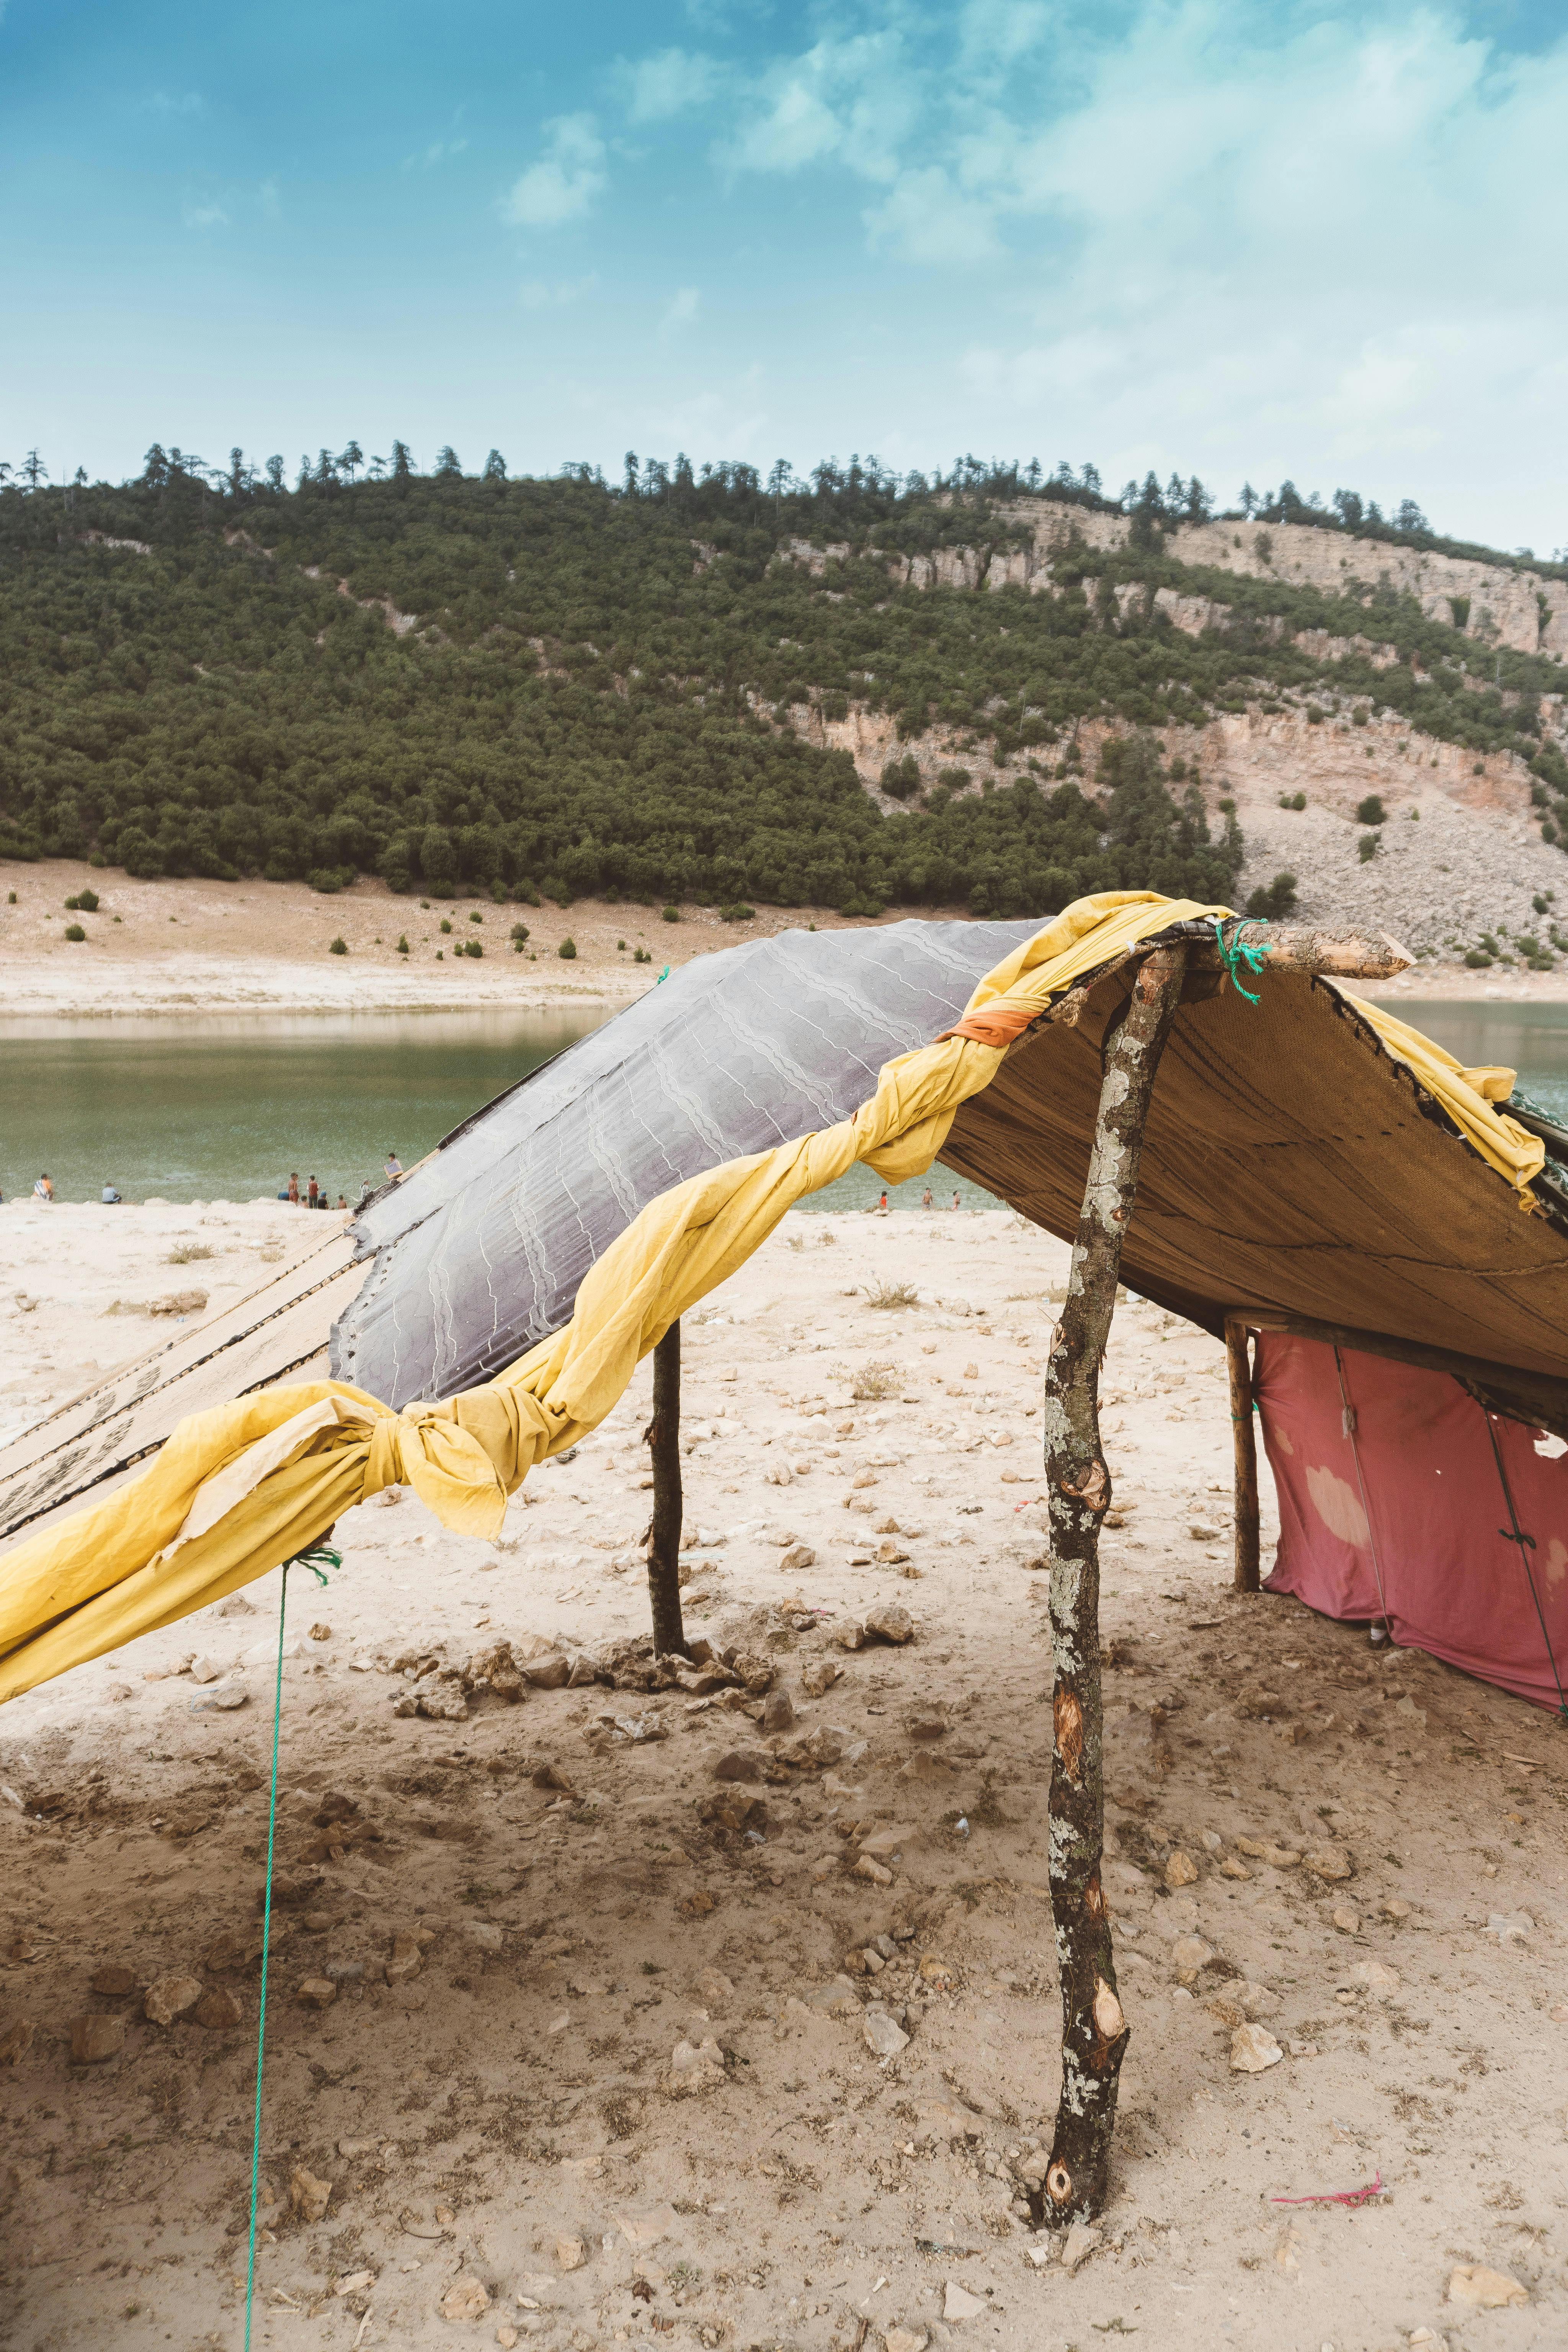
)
(223, 1109)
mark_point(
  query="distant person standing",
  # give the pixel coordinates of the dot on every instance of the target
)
(312, 1193)
(43, 1190)
(926, 1201)
(394, 1165)
(293, 1191)
(957, 1202)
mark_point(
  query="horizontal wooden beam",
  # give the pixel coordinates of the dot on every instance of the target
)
(1537, 1398)
(1303, 947)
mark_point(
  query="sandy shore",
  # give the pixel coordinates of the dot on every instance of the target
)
(186, 947)
(512, 2128)
(225, 947)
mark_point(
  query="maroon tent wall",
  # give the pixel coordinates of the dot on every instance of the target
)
(1413, 1530)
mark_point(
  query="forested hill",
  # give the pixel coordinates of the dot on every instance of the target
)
(557, 686)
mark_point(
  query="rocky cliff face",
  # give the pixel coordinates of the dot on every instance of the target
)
(1459, 853)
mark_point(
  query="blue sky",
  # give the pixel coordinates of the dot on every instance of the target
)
(1242, 240)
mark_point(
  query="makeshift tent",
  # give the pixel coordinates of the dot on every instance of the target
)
(1308, 1161)
(1402, 1498)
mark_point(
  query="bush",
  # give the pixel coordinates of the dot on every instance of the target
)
(893, 1294)
(1314, 716)
(901, 778)
(1274, 903)
(1479, 960)
(472, 948)
(446, 926)
(520, 936)
(736, 913)
(339, 947)
(672, 914)
(402, 943)
(87, 900)
(74, 931)
(1366, 847)
(475, 916)
(1370, 810)
(641, 955)
(567, 951)
(875, 1382)
(1292, 800)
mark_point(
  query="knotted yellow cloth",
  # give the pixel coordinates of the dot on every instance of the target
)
(239, 1489)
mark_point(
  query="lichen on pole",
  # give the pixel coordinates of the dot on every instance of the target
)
(662, 1437)
(1094, 2029)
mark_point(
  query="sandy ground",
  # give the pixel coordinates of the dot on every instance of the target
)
(507, 2130)
(266, 946)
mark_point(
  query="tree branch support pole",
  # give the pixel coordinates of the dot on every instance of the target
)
(1245, 1436)
(662, 1437)
(1094, 2029)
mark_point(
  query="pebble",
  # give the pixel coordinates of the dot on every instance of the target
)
(466, 2300)
(1330, 1862)
(571, 2254)
(114, 1982)
(646, 2229)
(850, 1635)
(317, 1992)
(1480, 2289)
(93, 2039)
(1181, 1870)
(957, 2302)
(778, 1711)
(1347, 1921)
(818, 1675)
(206, 1670)
(937, 1974)
(1252, 2048)
(407, 1960)
(883, 2035)
(217, 2010)
(309, 2197)
(869, 1867)
(837, 1998)
(1081, 2241)
(1188, 1955)
(169, 1997)
(507, 2336)
(890, 1621)
(1377, 1977)
(905, 2339)
(799, 1556)
(1233, 1867)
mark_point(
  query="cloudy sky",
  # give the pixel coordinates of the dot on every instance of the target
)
(1248, 241)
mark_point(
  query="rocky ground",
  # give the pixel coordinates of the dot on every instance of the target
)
(724, 2013)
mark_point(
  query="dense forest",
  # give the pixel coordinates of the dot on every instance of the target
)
(562, 687)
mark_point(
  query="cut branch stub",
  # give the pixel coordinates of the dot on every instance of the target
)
(663, 1439)
(1094, 2029)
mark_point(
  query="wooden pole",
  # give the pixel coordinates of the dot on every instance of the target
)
(1245, 1438)
(1094, 2029)
(662, 1437)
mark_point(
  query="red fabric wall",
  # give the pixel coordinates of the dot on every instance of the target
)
(1434, 1507)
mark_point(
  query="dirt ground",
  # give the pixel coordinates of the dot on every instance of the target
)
(266, 946)
(626, 2084)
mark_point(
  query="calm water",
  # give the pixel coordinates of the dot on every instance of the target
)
(204, 1110)
(223, 1109)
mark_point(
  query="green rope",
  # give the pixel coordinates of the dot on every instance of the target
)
(311, 1558)
(1236, 953)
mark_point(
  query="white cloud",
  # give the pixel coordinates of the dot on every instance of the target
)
(852, 102)
(924, 217)
(438, 152)
(656, 89)
(681, 310)
(204, 215)
(563, 184)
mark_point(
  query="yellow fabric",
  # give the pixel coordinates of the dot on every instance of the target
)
(239, 1489)
(1467, 1096)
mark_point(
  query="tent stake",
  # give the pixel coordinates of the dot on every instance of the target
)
(663, 1439)
(1245, 1437)
(1094, 2029)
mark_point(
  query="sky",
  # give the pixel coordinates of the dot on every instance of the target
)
(1245, 241)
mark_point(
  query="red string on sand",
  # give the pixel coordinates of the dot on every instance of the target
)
(1338, 2196)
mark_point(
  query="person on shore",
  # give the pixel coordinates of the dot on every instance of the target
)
(957, 1202)
(109, 1196)
(312, 1193)
(43, 1190)
(926, 1201)
(341, 1202)
(392, 1165)
(293, 1191)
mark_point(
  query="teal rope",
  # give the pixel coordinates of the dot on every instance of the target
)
(311, 1558)
(1236, 953)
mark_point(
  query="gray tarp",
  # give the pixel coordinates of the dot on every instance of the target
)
(479, 1251)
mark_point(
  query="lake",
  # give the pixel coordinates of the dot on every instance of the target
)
(223, 1109)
